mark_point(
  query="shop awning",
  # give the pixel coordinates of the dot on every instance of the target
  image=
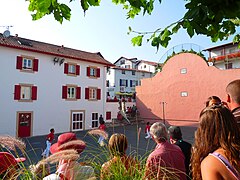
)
(124, 93)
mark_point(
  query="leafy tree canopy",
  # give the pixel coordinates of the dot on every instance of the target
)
(216, 19)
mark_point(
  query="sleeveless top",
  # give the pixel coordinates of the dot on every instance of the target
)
(227, 164)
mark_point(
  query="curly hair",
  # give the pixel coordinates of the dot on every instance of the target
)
(217, 129)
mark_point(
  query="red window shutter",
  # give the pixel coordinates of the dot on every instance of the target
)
(108, 115)
(88, 71)
(78, 93)
(77, 69)
(98, 94)
(19, 62)
(35, 65)
(86, 93)
(64, 92)
(34, 92)
(98, 72)
(17, 91)
(65, 68)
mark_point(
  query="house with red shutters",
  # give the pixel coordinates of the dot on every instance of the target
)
(46, 86)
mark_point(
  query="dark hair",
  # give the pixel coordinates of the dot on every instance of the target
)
(175, 132)
(217, 129)
(233, 89)
(51, 130)
(148, 123)
(212, 98)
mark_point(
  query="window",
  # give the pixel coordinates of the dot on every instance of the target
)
(77, 121)
(133, 83)
(122, 62)
(71, 92)
(228, 65)
(123, 82)
(27, 64)
(143, 74)
(92, 93)
(145, 66)
(71, 69)
(108, 115)
(133, 73)
(184, 94)
(93, 72)
(25, 92)
(127, 66)
(94, 120)
(123, 71)
(183, 70)
(107, 83)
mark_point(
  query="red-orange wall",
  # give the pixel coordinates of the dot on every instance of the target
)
(200, 81)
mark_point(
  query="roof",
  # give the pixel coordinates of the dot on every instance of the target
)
(130, 59)
(220, 46)
(51, 49)
(148, 62)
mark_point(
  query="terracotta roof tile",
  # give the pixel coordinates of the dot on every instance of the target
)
(45, 48)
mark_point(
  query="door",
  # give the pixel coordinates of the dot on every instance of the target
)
(24, 124)
(77, 121)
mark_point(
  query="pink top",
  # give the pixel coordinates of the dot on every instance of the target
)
(168, 156)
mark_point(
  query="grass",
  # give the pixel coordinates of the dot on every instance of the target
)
(95, 157)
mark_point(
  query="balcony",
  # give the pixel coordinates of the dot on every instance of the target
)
(225, 57)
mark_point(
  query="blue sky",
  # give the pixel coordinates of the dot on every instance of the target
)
(102, 29)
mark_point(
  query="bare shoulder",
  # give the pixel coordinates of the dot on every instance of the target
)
(211, 168)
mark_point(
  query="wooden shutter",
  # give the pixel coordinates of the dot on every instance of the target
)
(77, 69)
(78, 92)
(120, 82)
(86, 93)
(19, 62)
(35, 65)
(17, 91)
(88, 71)
(64, 92)
(126, 83)
(98, 94)
(65, 68)
(130, 83)
(34, 92)
(108, 115)
(98, 72)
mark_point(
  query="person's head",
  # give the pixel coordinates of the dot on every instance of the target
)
(213, 100)
(175, 133)
(52, 130)
(233, 94)
(148, 123)
(118, 144)
(217, 129)
(159, 132)
(102, 122)
(9, 165)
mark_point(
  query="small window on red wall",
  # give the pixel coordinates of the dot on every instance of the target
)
(71, 69)
(25, 92)
(27, 64)
(108, 115)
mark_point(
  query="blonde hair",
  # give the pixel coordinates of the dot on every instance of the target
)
(118, 144)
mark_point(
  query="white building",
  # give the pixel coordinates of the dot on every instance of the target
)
(126, 75)
(47, 86)
(225, 56)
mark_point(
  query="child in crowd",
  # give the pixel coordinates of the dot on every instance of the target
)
(49, 140)
(103, 128)
(147, 130)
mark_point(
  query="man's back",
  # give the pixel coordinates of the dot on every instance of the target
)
(164, 160)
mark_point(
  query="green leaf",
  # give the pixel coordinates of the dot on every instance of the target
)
(165, 34)
(176, 28)
(137, 40)
(190, 31)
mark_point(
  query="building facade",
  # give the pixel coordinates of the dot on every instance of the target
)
(126, 75)
(226, 56)
(47, 86)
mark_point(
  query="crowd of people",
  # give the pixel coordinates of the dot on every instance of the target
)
(215, 153)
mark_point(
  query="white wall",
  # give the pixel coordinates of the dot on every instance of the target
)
(49, 110)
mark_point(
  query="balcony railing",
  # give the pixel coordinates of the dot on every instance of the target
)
(224, 57)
